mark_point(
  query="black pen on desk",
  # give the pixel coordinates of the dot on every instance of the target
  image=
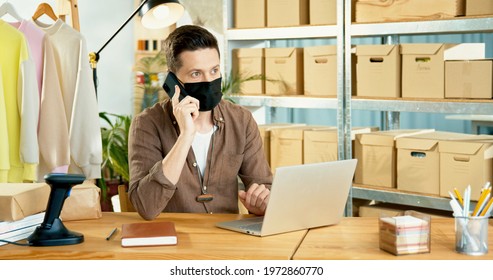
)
(111, 234)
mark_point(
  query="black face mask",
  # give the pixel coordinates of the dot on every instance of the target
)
(207, 93)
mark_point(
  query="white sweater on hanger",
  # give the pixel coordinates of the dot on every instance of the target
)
(79, 98)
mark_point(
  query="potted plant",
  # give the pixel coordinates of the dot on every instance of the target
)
(115, 168)
(231, 84)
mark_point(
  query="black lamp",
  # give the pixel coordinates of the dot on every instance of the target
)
(155, 14)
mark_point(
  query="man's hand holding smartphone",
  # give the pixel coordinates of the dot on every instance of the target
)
(185, 111)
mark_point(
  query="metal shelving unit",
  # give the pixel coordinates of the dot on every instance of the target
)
(394, 106)
(344, 103)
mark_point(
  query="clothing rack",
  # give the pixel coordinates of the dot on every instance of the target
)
(69, 7)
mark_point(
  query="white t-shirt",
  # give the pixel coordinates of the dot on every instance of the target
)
(200, 146)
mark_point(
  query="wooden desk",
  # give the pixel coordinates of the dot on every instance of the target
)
(198, 238)
(357, 239)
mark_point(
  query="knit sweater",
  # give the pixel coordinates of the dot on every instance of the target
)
(79, 99)
(19, 108)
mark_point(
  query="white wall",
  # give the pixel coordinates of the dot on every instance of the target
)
(98, 21)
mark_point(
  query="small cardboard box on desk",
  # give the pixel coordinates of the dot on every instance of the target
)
(83, 203)
(19, 200)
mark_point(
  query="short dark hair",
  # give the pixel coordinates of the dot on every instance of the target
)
(187, 38)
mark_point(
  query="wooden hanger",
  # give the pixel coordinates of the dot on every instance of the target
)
(44, 9)
(7, 8)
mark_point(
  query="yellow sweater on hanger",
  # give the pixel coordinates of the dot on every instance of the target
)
(19, 108)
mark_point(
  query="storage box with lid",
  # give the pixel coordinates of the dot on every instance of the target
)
(320, 70)
(282, 13)
(479, 7)
(418, 161)
(378, 71)
(469, 79)
(323, 12)
(284, 71)
(249, 62)
(423, 66)
(286, 146)
(377, 157)
(320, 145)
(464, 163)
(249, 13)
(265, 135)
(391, 10)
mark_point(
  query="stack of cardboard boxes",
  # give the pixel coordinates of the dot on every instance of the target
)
(390, 10)
(433, 71)
(421, 161)
(277, 13)
(288, 71)
(296, 144)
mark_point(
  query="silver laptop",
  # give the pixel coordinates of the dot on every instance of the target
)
(302, 197)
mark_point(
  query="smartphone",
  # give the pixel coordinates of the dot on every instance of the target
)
(169, 86)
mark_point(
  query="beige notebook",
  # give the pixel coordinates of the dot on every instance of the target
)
(149, 234)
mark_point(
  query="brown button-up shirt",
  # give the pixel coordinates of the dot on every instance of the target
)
(235, 150)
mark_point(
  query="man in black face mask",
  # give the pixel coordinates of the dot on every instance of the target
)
(186, 153)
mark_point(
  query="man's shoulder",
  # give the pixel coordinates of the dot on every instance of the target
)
(233, 108)
(155, 111)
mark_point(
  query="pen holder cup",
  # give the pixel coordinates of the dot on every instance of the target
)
(405, 234)
(471, 235)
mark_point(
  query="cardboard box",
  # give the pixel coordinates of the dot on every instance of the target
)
(323, 12)
(321, 145)
(423, 66)
(83, 203)
(377, 157)
(246, 63)
(378, 71)
(286, 146)
(320, 70)
(287, 13)
(265, 135)
(249, 13)
(469, 79)
(418, 161)
(285, 67)
(19, 200)
(479, 7)
(464, 163)
(391, 10)
(389, 209)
